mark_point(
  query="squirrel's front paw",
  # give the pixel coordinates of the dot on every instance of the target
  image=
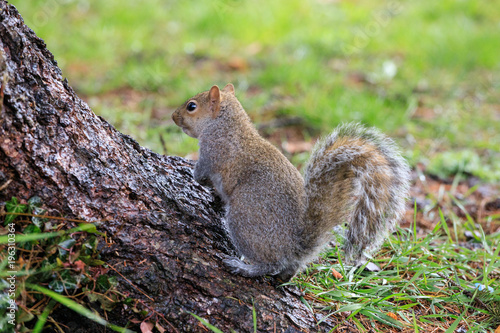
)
(234, 264)
(204, 182)
(238, 266)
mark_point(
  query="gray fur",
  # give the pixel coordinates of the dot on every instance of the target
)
(274, 220)
(375, 207)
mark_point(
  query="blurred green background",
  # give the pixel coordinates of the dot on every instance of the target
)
(426, 72)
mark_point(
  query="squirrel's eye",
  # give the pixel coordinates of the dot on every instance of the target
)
(191, 106)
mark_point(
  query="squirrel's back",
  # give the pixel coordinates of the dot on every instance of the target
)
(266, 205)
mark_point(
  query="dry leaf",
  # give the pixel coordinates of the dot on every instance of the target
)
(192, 156)
(498, 329)
(147, 327)
(297, 147)
(160, 328)
(79, 266)
(237, 64)
(392, 315)
(336, 274)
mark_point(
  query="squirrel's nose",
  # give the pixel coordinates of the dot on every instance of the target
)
(175, 118)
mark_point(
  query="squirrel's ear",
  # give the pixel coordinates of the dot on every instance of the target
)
(229, 88)
(214, 101)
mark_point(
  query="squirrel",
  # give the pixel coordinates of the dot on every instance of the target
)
(277, 220)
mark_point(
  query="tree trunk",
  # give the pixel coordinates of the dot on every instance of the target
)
(163, 225)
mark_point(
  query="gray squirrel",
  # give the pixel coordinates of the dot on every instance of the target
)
(277, 220)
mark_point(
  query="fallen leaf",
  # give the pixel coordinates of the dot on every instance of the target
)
(498, 329)
(336, 274)
(297, 147)
(147, 327)
(392, 315)
(79, 265)
(160, 328)
(237, 64)
(424, 113)
(372, 267)
(192, 156)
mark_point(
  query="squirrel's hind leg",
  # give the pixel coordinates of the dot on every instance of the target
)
(238, 266)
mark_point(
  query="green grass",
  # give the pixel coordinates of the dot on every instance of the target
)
(426, 72)
(50, 263)
(433, 277)
(424, 284)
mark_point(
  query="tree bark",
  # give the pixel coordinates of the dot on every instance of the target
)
(163, 225)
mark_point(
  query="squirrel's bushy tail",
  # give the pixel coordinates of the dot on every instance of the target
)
(357, 176)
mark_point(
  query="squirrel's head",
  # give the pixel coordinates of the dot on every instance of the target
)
(198, 111)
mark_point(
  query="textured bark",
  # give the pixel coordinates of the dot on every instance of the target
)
(164, 225)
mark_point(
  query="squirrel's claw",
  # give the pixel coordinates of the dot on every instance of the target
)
(237, 266)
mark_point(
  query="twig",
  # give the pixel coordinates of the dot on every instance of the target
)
(50, 217)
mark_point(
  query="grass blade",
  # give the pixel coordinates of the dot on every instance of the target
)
(78, 308)
(42, 319)
(206, 323)
(46, 235)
